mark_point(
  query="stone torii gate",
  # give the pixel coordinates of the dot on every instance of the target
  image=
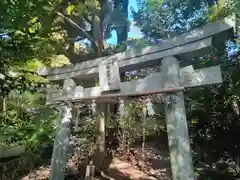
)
(171, 80)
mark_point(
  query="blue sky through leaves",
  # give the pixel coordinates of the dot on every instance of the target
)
(134, 31)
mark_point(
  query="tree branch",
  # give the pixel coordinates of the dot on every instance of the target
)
(78, 27)
(87, 19)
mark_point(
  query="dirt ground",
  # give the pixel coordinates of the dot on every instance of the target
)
(153, 164)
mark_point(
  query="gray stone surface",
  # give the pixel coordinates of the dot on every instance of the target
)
(187, 45)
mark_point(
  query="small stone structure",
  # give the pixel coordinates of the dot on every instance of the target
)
(171, 81)
(17, 167)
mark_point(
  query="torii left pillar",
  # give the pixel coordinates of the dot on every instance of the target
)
(62, 138)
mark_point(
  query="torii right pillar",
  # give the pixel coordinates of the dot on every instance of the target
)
(175, 113)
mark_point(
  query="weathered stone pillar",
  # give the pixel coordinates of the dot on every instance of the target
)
(62, 138)
(100, 136)
(61, 144)
(179, 147)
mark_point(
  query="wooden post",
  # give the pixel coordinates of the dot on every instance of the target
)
(100, 141)
(61, 143)
(109, 79)
(90, 171)
(144, 129)
(179, 147)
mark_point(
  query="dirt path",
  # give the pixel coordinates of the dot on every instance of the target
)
(118, 170)
(127, 170)
(154, 167)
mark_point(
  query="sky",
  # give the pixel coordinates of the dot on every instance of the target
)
(134, 31)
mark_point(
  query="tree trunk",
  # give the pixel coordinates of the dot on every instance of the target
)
(122, 32)
(101, 109)
(4, 106)
(97, 34)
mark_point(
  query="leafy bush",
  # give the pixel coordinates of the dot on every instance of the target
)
(27, 120)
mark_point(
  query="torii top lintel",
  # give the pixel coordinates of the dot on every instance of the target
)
(193, 43)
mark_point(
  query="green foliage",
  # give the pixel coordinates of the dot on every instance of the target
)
(36, 37)
(25, 42)
(212, 111)
(27, 26)
(33, 35)
(158, 19)
(215, 105)
(26, 120)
